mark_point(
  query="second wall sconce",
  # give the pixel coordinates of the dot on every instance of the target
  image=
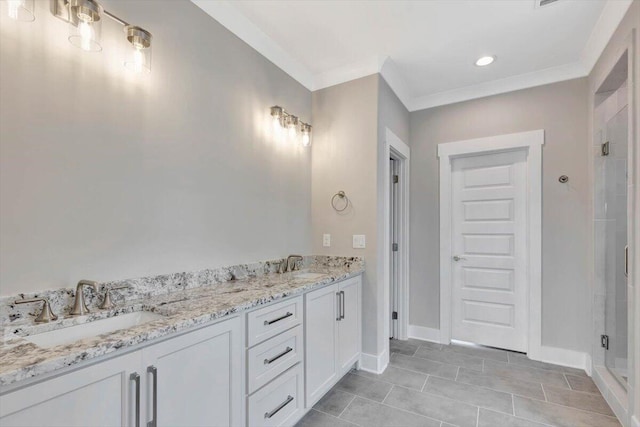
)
(290, 122)
(85, 31)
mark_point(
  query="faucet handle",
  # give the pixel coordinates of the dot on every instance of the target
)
(106, 302)
(46, 315)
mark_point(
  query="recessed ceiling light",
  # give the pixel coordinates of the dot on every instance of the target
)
(485, 60)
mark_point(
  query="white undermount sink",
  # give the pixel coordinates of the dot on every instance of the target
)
(75, 333)
(308, 275)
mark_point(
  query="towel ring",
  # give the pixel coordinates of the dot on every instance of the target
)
(342, 196)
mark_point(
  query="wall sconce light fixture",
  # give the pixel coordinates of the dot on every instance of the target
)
(139, 56)
(282, 118)
(21, 10)
(85, 24)
(305, 129)
(85, 28)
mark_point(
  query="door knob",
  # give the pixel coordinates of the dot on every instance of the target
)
(457, 258)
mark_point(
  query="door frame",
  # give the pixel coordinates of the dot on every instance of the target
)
(532, 142)
(396, 148)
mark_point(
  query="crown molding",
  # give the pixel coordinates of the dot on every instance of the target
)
(609, 20)
(346, 73)
(396, 81)
(234, 21)
(495, 87)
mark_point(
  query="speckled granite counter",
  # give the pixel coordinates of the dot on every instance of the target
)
(213, 295)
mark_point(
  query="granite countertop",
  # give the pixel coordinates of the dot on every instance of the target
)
(183, 309)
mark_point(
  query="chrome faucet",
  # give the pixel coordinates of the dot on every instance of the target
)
(288, 264)
(79, 306)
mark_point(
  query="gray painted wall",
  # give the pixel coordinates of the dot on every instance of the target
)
(561, 110)
(392, 113)
(106, 176)
(344, 158)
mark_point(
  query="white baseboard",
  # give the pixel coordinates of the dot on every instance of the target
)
(589, 362)
(374, 363)
(424, 333)
(615, 395)
(564, 357)
(557, 356)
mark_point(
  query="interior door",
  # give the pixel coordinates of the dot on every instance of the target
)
(393, 255)
(489, 263)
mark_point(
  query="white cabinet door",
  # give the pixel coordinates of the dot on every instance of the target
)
(321, 308)
(103, 394)
(349, 324)
(196, 379)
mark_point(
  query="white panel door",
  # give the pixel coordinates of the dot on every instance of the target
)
(321, 317)
(198, 378)
(489, 266)
(349, 324)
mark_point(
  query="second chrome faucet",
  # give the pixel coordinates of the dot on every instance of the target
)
(79, 305)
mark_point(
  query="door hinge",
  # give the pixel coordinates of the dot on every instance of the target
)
(604, 341)
(604, 149)
(395, 179)
(394, 247)
(394, 315)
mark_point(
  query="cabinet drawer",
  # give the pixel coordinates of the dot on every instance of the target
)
(270, 321)
(271, 358)
(280, 403)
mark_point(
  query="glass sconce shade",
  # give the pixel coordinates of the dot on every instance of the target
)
(291, 123)
(85, 24)
(276, 115)
(138, 57)
(21, 10)
(305, 129)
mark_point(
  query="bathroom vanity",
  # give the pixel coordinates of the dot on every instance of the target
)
(258, 351)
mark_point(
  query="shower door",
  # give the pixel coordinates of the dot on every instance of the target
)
(611, 208)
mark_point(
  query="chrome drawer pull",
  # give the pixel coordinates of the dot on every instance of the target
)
(135, 377)
(154, 373)
(269, 322)
(282, 405)
(273, 359)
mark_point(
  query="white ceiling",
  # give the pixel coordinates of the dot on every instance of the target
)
(425, 49)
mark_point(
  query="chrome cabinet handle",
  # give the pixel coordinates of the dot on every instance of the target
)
(626, 261)
(280, 406)
(135, 377)
(274, 358)
(341, 305)
(154, 373)
(269, 322)
(458, 258)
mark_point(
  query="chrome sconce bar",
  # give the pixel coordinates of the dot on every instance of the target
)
(85, 27)
(288, 121)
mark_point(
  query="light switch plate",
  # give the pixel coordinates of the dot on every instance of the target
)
(326, 240)
(359, 241)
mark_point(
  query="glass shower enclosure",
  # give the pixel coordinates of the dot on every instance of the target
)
(611, 217)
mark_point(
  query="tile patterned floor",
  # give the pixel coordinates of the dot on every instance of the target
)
(431, 385)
